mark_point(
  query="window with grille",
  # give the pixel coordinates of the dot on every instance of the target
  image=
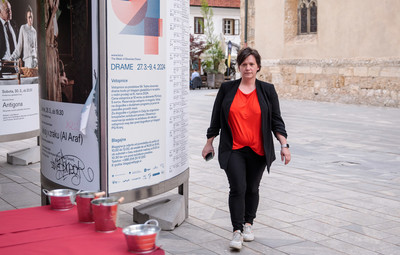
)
(307, 16)
(198, 25)
(231, 26)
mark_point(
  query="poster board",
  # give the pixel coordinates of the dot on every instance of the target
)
(69, 116)
(147, 92)
(136, 99)
(19, 88)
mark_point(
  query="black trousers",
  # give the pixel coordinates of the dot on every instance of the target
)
(245, 170)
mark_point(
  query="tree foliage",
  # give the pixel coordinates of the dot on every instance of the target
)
(197, 47)
(213, 53)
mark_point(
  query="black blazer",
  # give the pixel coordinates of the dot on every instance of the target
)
(3, 46)
(271, 120)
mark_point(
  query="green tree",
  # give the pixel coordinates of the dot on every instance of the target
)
(213, 54)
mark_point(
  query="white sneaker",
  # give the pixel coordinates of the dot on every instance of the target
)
(237, 240)
(248, 235)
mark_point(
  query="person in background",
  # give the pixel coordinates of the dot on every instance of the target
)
(27, 45)
(195, 80)
(195, 74)
(7, 34)
(246, 113)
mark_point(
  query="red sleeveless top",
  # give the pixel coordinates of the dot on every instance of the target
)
(245, 122)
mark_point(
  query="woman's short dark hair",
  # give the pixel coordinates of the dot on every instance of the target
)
(245, 52)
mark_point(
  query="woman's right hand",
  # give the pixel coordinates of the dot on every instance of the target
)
(208, 147)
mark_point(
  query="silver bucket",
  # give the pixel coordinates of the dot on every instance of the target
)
(142, 238)
(60, 199)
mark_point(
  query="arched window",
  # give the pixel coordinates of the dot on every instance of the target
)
(307, 16)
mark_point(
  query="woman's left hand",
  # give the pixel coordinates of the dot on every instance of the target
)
(285, 155)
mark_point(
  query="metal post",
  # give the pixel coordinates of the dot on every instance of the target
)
(246, 7)
(103, 95)
(229, 57)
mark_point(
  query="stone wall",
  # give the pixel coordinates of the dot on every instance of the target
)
(349, 60)
(362, 81)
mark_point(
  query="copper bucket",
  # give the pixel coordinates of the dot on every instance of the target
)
(83, 202)
(105, 212)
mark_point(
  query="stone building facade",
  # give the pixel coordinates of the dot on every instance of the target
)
(328, 50)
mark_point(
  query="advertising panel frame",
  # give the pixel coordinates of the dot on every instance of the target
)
(180, 181)
(70, 134)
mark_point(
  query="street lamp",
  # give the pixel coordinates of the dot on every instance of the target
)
(229, 57)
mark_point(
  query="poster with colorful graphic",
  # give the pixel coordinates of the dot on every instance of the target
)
(19, 89)
(69, 103)
(147, 89)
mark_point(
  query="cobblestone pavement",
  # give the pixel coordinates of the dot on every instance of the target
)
(339, 195)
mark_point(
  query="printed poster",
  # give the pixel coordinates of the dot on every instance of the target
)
(147, 90)
(69, 93)
(19, 108)
(19, 89)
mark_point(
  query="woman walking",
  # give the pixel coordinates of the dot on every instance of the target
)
(246, 113)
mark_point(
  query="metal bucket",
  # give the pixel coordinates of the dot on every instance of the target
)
(142, 238)
(105, 212)
(60, 199)
(83, 203)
